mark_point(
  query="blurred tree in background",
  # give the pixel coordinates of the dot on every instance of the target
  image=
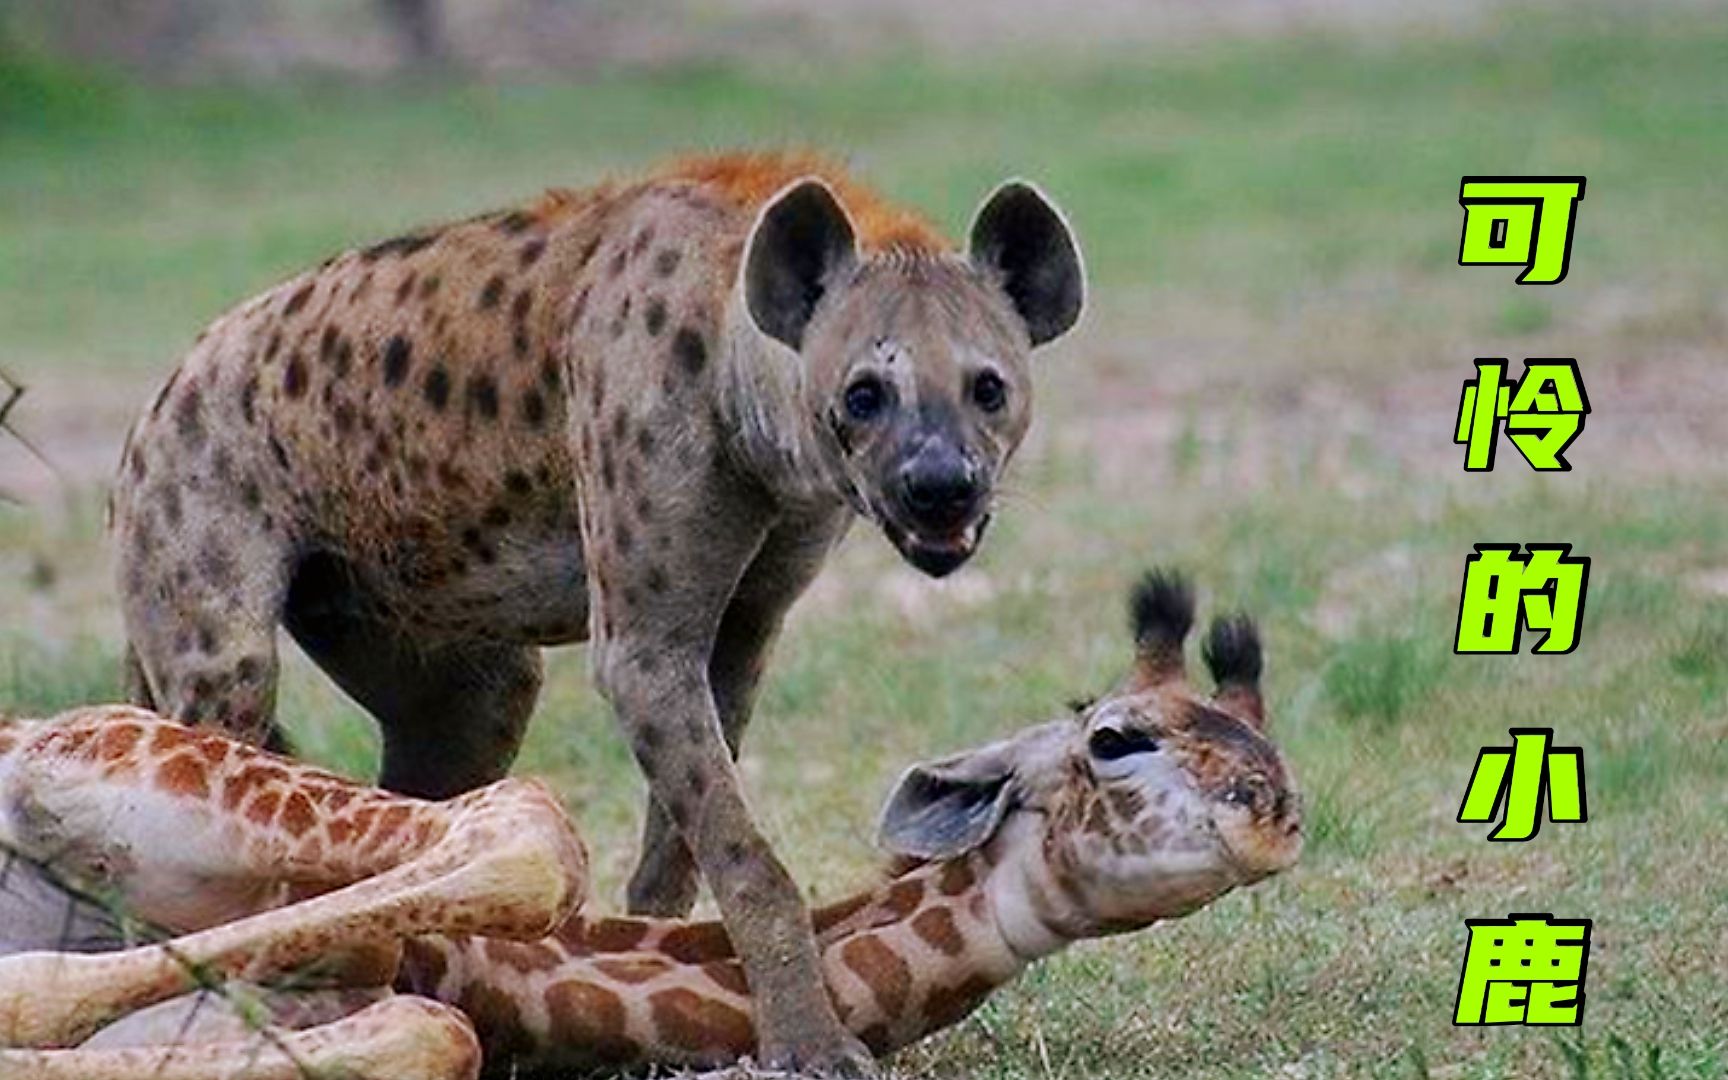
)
(420, 23)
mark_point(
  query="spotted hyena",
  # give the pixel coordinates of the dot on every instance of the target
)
(639, 414)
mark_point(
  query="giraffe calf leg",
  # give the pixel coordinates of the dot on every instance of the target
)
(399, 1038)
(504, 862)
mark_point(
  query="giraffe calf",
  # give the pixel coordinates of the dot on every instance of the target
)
(1147, 805)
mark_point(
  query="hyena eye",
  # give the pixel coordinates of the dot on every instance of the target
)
(865, 397)
(989, 391)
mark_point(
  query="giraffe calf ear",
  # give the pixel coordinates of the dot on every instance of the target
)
(941, 809)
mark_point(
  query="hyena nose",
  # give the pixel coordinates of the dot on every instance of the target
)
(939, 490)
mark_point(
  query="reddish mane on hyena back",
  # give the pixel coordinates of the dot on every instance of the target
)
(639, 414)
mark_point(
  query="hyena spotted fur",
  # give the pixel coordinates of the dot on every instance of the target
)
(639, 414)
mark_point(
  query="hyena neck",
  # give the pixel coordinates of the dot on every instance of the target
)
(761, 401)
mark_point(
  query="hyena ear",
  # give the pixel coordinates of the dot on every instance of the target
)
(1022, 239)
(941, 809)
(801, 241)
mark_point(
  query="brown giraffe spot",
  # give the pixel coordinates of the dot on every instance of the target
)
(496, 1020)
(903, 898)
(429, 287)
(633, 969)
(956, 878)
(826, 918)
(692, 1022)
(166, 738)
(294, 378)
(492, 292)
(589, 1016)
(690, 352)
(666, 261)
(604, 935)
(364, 819)
(517, 483)
(696, 943)
(882, 970)
(213, 750)
(528, 956)
(340, 831)
(531, 252)
(391, 822)
(423, 966)
(938, 929)
(514, 222)
(262, 809)
(117, 741)
(297, 814)
(184, 774)
(728, 975)
(948, 1005)
(406, 288)
(398, 351)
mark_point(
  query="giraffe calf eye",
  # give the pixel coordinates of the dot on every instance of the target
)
(1109, 744)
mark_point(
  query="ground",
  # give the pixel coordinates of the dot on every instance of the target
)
(1263, 394)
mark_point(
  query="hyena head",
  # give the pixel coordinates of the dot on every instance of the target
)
(916, 378)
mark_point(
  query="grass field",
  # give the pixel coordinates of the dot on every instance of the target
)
(1263, 394)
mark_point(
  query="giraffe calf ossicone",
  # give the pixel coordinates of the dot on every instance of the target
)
(1146, 805)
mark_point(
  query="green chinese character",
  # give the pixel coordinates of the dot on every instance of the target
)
(1520, 221)
(1516, 782)
(1505, 591)
(1546, 413)
(1525, 969)
(1543, 411)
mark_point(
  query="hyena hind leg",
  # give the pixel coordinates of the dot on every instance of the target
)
(452, 714)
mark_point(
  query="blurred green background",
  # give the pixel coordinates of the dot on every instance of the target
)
(1263, 394)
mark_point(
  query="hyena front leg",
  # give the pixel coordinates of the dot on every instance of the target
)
(656, 621)
(665, 880)
(201, 816)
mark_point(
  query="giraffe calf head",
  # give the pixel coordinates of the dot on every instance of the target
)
(1147, 804)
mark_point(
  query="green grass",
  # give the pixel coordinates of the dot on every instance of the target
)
(1262, 396)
